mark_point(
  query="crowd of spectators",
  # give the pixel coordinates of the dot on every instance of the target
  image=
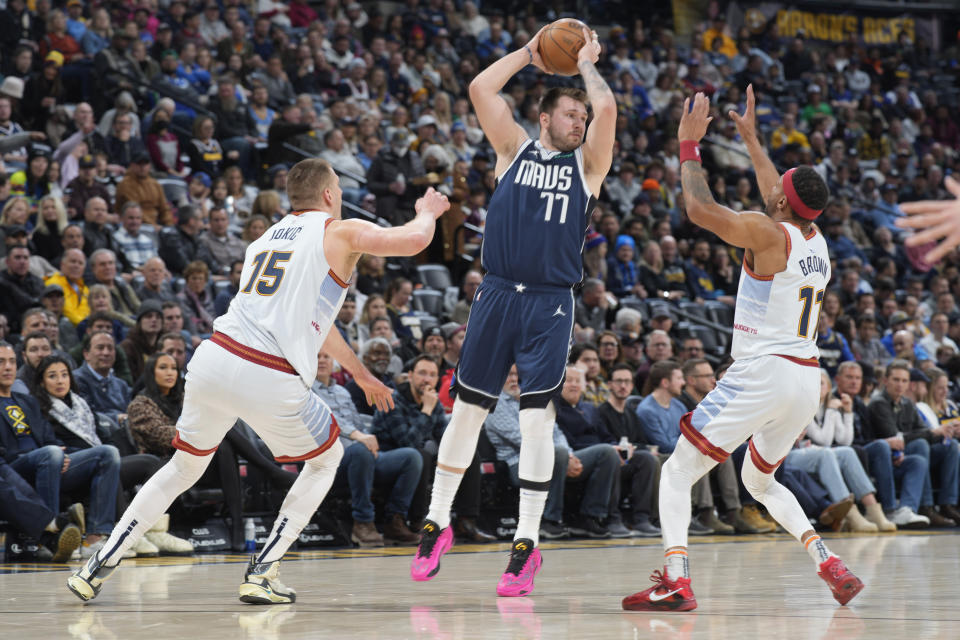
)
(145, 145)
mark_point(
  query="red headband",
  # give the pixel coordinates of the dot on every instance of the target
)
(796, 203)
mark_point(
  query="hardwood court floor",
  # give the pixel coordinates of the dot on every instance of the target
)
(747, 587)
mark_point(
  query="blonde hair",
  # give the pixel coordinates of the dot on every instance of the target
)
(100, 290)
(307, 180)
(267, 203)
(62, 221)
(365, 314)
(934, 374)
(9, 205)
(365, 269)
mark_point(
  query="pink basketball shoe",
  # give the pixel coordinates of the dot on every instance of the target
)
(434, 542)
(525, 563)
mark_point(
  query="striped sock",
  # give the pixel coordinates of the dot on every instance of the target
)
(677, 563)
(817, 550)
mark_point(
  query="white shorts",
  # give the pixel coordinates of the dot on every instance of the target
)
(771, 398)
(222, 386)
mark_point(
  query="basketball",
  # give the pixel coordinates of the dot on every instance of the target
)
(559, 45)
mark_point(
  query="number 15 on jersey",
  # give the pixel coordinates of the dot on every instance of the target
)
(266, 267)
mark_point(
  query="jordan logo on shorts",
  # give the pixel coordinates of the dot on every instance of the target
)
(559, 311)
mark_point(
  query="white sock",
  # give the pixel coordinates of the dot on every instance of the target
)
(685, 466)
(301, 502)
(817, 550)
(152, 501)
(531, 511)
(457, 447)
(535, 468)
(445, 485)
(677, 563)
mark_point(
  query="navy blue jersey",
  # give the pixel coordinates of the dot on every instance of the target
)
(537, 218)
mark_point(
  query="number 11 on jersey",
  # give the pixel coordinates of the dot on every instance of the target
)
(808, 300)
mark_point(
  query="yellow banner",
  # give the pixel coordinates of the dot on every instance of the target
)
(838, 28)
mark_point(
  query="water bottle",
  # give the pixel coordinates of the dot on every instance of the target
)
(249, 535)
(624, 447)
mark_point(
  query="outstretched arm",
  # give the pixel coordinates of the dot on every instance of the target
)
(378, 394)
(493, 112)
(934, 219)
(749, 230)
(767, 176)
(598, 147)
(359, 236)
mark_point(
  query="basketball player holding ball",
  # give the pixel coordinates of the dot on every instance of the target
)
(523, 310)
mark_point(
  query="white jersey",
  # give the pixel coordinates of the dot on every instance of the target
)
(289, 297)
(779, 314)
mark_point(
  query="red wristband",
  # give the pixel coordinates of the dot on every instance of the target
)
(689, 150)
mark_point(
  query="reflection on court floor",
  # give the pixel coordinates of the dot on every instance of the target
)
(747, 587)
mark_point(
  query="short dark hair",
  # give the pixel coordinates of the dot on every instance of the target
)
(170, 336)
(420, 358)
(29, 313)
(36, 335)
(623, 366)
(87, 339)
(578, 350)
(658, 372)
(896, 364)
(186, 213)
(550, 100)
(691, 365)
(810, 188)
(97, 316)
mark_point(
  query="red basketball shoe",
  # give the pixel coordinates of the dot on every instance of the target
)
(665, 595)
(843, 583)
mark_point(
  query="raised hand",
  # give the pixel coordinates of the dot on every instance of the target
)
(590, 51)
(746, 123)
(533, 46)
(936, 219)
(432, 201)
(694, 122)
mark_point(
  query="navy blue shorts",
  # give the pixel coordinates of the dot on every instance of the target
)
(530, 325)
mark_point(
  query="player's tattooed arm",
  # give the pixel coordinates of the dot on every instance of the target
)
(597, 146)
(597, 87)
(693, 178)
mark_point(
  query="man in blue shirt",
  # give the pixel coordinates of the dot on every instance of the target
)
(660, 412)
(594, 449)
(96, 382)
(503, 429)
(31, 448)
(364, 464)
